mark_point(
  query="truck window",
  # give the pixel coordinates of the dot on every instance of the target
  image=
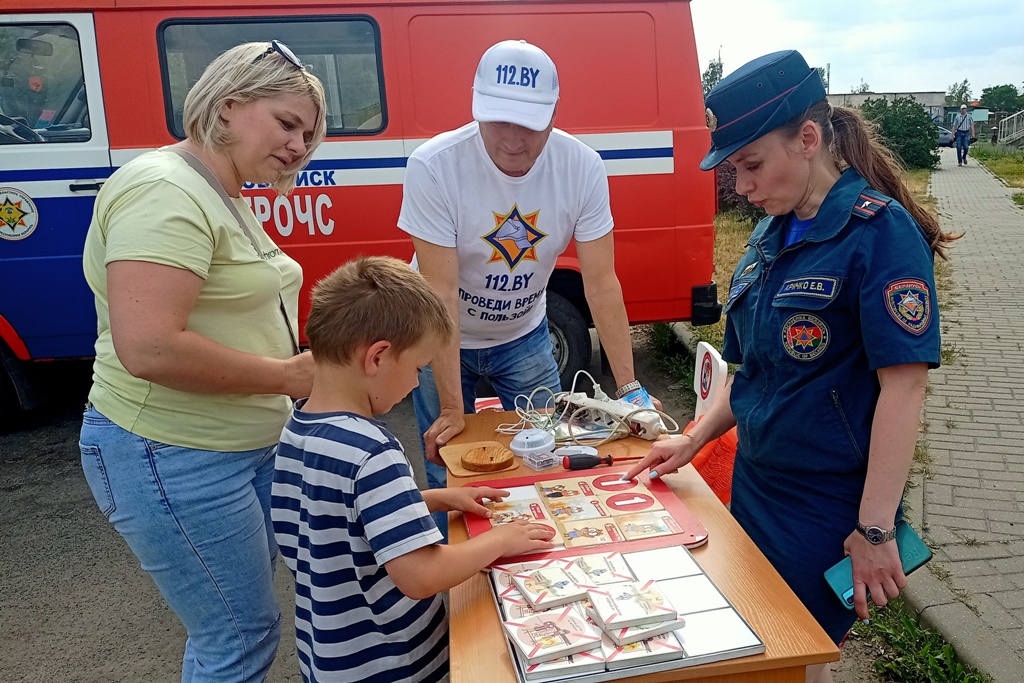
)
(42, 88)
(343, 52)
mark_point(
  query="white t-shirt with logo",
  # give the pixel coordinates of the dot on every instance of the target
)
(508, 231)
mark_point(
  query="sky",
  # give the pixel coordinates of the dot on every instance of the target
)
(892, 45)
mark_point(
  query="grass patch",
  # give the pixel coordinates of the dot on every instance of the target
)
(1005, 161)
(949, 354)
(1018, 198)
(917, 182)
(673, 354)
(910, 653)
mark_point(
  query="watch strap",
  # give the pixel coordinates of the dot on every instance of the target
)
(876, 535)
(626, 388)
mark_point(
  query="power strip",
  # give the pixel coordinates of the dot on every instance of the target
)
(645, 424)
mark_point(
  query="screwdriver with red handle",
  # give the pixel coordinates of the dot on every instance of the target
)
(585, 461)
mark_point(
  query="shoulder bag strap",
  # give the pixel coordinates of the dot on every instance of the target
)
(204, 170)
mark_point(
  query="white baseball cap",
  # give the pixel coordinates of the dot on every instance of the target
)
(516, 82)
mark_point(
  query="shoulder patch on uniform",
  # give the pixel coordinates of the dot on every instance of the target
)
(909, 303)
(869, 203)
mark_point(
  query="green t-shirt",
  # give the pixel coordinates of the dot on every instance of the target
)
(158, 209)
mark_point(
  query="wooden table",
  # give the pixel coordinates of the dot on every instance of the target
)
(793, 640)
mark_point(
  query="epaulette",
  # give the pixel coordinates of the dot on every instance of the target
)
(869, 203)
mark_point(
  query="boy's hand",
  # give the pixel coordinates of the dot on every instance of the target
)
(520, 536)
(467, 499)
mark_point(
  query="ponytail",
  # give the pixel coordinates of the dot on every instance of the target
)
(853, 142)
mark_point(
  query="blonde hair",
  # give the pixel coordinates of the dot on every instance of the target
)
(853, 141)
(245, 73)
(371, 299)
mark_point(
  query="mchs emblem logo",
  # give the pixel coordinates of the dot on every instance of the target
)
(18, 215)
(805, 336)
(909, 304)
(514, 238)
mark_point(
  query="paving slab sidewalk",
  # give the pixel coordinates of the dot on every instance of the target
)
(970, 502)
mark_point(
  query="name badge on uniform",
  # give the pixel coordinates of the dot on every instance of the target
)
(813, 286)
(737, 289)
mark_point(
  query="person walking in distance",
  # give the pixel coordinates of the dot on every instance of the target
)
(963, 129)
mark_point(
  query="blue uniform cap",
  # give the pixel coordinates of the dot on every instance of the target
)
(757, 98)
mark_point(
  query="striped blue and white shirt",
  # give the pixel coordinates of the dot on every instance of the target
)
(344, 503)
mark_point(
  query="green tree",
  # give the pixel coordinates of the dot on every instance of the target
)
(862, 88)
(712, 75)
(906, 129)
(824, 76)
(1001, 98)
(958, 93)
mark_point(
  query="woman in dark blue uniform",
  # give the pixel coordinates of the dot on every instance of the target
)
(832, 318)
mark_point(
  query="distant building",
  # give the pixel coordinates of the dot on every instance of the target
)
(933, 102)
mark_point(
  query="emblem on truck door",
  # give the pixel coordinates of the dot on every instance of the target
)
(18, 214)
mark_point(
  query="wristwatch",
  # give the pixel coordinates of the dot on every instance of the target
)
(626, 388)
(876, 535)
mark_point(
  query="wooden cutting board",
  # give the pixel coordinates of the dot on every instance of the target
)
(452, 456)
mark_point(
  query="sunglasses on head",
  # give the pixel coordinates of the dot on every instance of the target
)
(283, 50)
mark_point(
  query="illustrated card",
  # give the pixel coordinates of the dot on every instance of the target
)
(515, 607)
(551, 635)
(661, 563)
(549, 587)
(589, 532)
(629, 502)
(661, 648)
(576, 509)
(600, 569)
(563, 488)
(508, 511)
(630, 604)
(647, 525)
(501, 574)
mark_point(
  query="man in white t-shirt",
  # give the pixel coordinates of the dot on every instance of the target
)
(490, 207)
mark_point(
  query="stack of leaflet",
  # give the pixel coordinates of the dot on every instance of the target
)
(607, 615)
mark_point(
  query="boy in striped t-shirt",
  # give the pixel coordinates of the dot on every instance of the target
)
(352, 526)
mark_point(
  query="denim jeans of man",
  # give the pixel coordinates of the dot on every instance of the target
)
(963, 141)
(516, 367)
(199, 523)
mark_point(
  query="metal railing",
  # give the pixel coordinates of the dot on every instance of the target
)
(1011, 128)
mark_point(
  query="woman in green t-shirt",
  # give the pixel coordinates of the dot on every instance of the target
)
(196, 359)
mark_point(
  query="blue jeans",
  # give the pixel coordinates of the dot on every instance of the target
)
(516, 367)
(963, 141)
(199, 522)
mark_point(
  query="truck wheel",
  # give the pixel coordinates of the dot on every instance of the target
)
(570, 338)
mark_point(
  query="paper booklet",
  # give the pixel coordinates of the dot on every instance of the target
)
(657, 649)
(622, 605)
(632, 634)
(603, 568)
(550, 635)
(550, 587)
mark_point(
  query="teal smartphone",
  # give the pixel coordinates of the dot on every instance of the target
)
(913, 554)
